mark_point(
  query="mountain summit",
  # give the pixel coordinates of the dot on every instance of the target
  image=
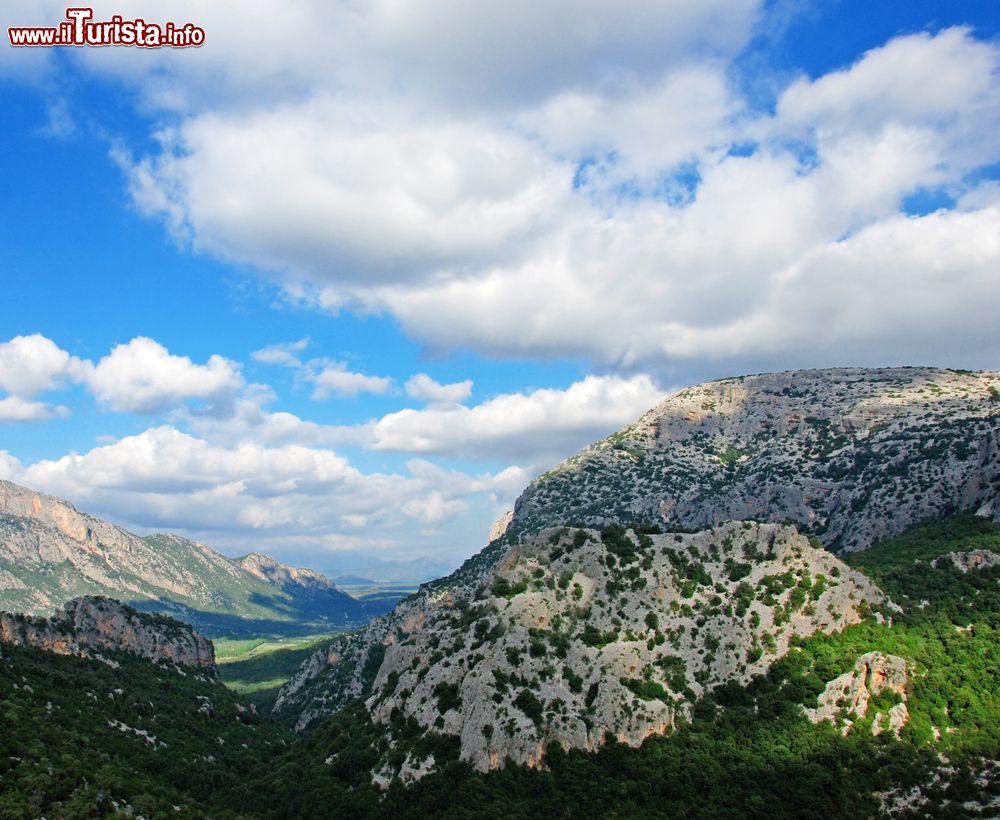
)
(849, 455)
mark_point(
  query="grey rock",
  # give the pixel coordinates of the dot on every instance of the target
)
(86, 624)
(849, 455)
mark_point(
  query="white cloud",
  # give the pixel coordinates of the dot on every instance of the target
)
(281, 354)
(346, 192)
(10, 467)
(334, 379)
(599, 219)
(144, 377)
(647, 128)
(14, 408)
(920, 79)
(33, 364)
(424, 388)
(534, 429)
(440, 52)
(541, 426)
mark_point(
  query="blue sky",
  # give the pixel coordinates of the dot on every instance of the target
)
(341, 281)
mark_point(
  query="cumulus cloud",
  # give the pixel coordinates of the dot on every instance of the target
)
(10, 467)
(345, 194)
(33, 364)
(334, 379)
(531, 429)
(445, 53)
(424, 388)
(14, 408)
(144, 377)
(612, 219)
(537, 427)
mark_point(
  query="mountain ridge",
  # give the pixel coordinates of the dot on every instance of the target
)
(793, 446)
(51, 552)
(88, 624)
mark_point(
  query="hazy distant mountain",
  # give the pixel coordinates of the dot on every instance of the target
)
(409, 572)
(50, 552)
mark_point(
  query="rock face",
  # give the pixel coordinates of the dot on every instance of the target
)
(846, 697)
(849, 455)
(501, 525)
(577, 636)
(50, 552)
(89, 624)
(964, 561)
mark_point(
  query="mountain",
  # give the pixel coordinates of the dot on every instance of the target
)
(108, 732)
(50, 552)
(637, 577)
(382, 571)
(849, 455)
(879, 719)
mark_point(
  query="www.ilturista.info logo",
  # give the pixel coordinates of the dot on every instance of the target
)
(78, 29)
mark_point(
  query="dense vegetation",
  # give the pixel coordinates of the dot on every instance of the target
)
(745, 752)
(80, 737)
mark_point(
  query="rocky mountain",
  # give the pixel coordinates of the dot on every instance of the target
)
(580, 624)
(577, 636)
(50, 552)
(849, 455)
(86, 625)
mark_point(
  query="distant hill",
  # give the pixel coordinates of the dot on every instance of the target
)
(50, 552)
(354, 581)
(396, 572)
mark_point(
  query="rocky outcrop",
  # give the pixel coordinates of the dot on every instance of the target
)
(846, 698)
(500, 526)
(577, 637)
(87, 625)
(849, 455)
(971, 560)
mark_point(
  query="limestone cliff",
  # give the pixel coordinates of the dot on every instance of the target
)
(846, 698)
(86, 625)
(267, 569)
(849, 455)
